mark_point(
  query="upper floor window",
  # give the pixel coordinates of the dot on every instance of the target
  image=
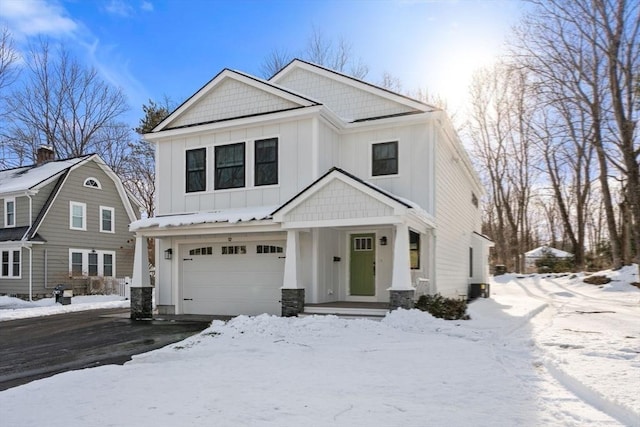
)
(77, 216)
(230, 166)
(10, 263)
(107, 219)
(196, 170)
(10, 212)
(384, 158)
(92, 183)
(266, 161)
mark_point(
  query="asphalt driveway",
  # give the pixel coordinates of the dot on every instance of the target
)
(40, 347)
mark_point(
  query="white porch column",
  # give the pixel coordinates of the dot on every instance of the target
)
(401, 278)
(291, 273)
(401, 291)
(141, 290)
(292, 301)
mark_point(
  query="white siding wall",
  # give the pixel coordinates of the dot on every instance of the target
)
(345, 100)
(295, 161)
(456, 219)
(328, 147)
(415, 168)
(231, 98)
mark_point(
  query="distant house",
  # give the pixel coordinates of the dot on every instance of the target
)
(63, 222)
(311, 187)
(536, 254)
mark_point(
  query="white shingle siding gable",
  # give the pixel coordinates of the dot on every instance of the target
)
(348, 102)
(338, 200)
(230, 99)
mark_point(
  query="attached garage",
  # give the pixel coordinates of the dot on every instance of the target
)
(232, 278)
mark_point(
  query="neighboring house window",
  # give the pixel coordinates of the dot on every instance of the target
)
(77, 216)
(229, 166)
(384, 158)
(474, 199)
(107, 219)
(196, 170)
(92, 183)
(10, 263)
(92, 263)
(414, 249)
(10, 212)
(266, 163)
(470, 262)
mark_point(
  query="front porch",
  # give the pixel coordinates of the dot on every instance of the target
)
(348, 309)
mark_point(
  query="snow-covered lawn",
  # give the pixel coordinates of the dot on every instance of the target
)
(549, 351)
(14, 308)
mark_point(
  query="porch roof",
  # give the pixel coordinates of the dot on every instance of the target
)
(230, 216)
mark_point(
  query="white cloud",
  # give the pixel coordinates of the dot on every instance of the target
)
(147, 6)
(36, 17)
(120, 7)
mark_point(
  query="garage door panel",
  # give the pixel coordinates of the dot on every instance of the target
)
(214, 282)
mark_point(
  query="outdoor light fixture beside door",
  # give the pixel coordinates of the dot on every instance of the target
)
(383, 241)
(167, 253)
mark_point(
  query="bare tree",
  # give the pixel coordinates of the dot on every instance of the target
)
(589, 52)
(8, 74)
(61, 104)
(321, 50)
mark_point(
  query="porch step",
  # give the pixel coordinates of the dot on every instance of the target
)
(346, 312)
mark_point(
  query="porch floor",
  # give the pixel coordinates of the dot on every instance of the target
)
(348, 309)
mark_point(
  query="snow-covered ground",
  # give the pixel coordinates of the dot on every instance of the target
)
(14, 308)
(544, 350)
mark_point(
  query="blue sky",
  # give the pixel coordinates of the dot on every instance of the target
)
(153, 48)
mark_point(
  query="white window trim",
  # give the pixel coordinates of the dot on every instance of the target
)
(84, 216)
(85, 262)
(370, 155)
(113, 219)
(11, 250)
(6, 212)
(99, 187)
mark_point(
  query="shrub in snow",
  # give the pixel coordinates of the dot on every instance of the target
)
(596, 280)
(549, 263)
(443, 308)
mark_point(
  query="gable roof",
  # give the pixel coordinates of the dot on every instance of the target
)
(350, 98)
(541, 251)
(32, 177)
(231, 95)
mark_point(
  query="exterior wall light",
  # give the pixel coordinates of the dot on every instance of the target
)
(383, 241)
(168, 253)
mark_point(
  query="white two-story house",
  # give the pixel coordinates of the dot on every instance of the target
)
(312, 187)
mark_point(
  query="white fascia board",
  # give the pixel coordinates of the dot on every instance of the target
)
(231, 124)
(352, 222)
(385, 123)
(218, 228)
(367, 87)
(235, 75)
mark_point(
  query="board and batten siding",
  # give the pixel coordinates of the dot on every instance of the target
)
(55, 227)
(414, 180)
(456, 219)
(294, 163)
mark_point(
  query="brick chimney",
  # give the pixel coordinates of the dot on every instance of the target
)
(45, 154)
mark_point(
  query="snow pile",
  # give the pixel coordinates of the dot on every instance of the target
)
(544, 350)
(15, 308)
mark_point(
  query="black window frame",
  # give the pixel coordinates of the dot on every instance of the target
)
(196, 173)
(414, 236)
(238, 181)
(386, 165)
(259, 165)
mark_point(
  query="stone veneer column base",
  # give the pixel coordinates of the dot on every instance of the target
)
(292, 302)
(142, 303)
(401, 299)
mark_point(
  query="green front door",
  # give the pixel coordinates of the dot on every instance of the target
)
(363, 265)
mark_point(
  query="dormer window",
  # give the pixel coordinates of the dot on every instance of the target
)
(10, 212)
(92, 183)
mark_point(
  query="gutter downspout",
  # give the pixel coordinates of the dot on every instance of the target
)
(30, 273)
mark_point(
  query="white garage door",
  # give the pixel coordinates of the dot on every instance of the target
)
(232, 278)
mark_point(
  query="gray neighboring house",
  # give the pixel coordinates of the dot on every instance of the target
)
(64, 222)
